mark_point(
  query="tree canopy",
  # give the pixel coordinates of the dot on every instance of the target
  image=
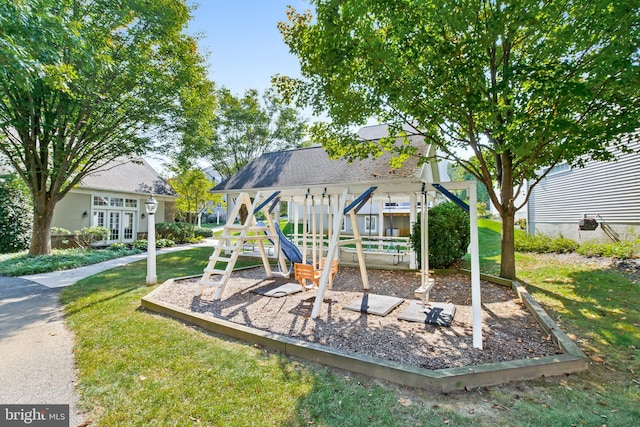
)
(523, 85)
(83, 82)
(247, 127)
(193, 187)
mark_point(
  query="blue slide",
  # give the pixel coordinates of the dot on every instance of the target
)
(290, 251)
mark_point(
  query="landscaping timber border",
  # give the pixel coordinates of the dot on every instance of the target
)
(569, 360)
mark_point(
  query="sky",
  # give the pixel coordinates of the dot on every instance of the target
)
(243, 42)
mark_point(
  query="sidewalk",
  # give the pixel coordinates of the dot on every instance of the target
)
(38, 365)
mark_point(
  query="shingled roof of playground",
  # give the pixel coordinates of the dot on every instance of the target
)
(312, 167)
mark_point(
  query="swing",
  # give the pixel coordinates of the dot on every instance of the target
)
(312, 271)
(392, 246)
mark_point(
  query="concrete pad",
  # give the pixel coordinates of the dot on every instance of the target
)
(277, 291)
(380, 305)
(435, 313)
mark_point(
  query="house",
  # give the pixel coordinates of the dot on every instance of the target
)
(599, 202)
(114, 198)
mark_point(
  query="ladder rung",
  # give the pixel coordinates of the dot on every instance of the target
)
(234, 227)
(258, 228)
(259, 237)
(212, 284)
(221, 258)
(226, 247)
(214, 271)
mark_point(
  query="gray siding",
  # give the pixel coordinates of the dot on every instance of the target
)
(609, 191)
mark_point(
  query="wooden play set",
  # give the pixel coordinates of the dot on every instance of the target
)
(315, 265)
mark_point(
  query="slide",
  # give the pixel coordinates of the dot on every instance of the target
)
(290, 251)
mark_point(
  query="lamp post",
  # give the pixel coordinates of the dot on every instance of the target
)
(151, 206)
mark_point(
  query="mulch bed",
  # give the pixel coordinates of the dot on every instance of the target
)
(509, 331)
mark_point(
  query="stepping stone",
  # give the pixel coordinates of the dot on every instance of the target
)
(380, 305)
(278, 290)
(435, 313)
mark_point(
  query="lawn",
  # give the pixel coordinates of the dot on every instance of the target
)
(138, 368)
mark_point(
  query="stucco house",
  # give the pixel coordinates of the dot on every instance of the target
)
(114, 198)
(598, 202)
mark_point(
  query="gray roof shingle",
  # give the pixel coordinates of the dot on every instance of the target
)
(127, 176)
(313, 167)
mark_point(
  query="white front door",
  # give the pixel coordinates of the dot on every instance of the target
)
(120, 223)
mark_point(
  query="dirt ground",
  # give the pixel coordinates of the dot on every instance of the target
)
(509, 331)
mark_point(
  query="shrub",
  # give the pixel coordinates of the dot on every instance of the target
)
(141, 244)
(543, 243)
(165, 243)
(621, 250)
(449, 235)
(202, 232)
(176, 231)
(87, 236)
(59, 230)
(522, 223)
(16, 217)
(118, 246)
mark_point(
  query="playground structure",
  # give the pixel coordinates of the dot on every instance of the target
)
(316, 261)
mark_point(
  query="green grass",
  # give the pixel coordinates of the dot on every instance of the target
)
(138, 368)
(20, 263)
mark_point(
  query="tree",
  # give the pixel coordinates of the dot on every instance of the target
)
(193, 188)
(524, 85)
(15, 215)
(248, 127)
(84, 82)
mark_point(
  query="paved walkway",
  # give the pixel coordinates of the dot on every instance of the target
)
(36, 349)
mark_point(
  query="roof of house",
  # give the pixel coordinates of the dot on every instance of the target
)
(128, 176)
(313, 167)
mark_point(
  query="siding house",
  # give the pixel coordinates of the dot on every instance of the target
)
(114, 198)
(604, 195)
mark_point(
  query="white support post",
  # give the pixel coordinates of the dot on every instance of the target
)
(413, 199)
(381, 225)
(476, 303)
(333, 247)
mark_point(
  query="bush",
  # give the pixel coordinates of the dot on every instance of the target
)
(542, 243)
(165, 243)
(87, 236)
(59, 230)
(118, 246)
(16, 215)
(177, 231)
(141, 244)
(202, 232)
(449, 235)
(621, 250)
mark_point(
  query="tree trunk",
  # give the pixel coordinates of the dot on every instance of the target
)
(41, 235)
(507, 257)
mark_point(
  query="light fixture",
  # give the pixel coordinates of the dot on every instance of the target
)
(85, 214)
(151, 205)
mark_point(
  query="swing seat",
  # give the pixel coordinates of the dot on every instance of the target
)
(304, 272)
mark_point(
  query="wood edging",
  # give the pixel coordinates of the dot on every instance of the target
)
(569, 360)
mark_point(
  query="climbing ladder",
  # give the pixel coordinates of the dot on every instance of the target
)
(228, 242)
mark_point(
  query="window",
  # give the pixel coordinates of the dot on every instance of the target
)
(561, 167)
(117, 202)
(371, 224)
(100, 201)
(131, 203)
